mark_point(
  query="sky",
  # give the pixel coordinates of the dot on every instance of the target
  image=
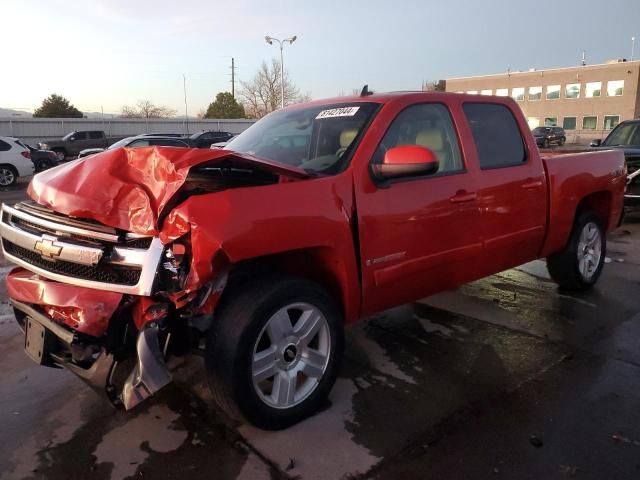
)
(103, 54)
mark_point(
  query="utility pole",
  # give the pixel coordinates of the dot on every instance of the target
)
(633, 44)
(584, 57)
(184, 88)
(233, 77)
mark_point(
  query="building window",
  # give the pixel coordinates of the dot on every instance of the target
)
(550, 121)
(610, 121)
(592, 89)
(518, 94)
(615, 88)
(535, 93)
(569, 123)
(589, 123)
(502, 92)
(553, 92)
(486, 92)
(572, 90)
(472, 92)
(533, 122)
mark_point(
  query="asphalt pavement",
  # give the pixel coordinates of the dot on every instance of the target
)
(506, 377)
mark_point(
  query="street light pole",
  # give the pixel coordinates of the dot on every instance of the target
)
(270, 41)
(633, 44)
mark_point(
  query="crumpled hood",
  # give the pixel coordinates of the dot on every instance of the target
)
(128, 188)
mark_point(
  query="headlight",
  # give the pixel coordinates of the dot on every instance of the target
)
(174, 268)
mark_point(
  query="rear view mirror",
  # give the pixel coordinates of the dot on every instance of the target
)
(406, 161)
(596, 143)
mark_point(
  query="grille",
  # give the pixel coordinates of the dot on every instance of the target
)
(100, 273)
(139, 243)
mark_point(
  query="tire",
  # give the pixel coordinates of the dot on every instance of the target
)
(61, 155)
(257, 334)
(562, 140)
(545, 143)
(8, 175)
(579, 265)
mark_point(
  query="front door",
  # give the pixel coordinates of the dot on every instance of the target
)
(419, 235)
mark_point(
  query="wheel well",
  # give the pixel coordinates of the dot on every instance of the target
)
(8, 165)
(311, 263)
(598, 203)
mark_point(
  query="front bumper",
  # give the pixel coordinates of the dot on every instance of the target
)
(59, 346)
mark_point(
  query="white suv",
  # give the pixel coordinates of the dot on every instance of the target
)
(15, 161)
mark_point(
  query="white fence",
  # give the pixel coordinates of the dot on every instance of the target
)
(33, 130)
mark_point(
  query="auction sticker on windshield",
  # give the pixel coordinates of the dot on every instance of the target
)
(338, 112)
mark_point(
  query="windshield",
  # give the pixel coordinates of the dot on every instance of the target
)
(624, 134)
(319, 139)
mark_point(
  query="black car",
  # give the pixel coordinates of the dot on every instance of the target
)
(626, 137)
(206, 139)
(42, 159)
(545, 136)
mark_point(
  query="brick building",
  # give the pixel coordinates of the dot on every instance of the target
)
(587, 101)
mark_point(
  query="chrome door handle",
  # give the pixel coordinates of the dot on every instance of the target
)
(533, 184)
(462, 197)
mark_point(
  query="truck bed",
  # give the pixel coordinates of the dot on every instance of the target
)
(600, 186)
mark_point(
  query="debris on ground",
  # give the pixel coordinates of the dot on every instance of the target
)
(568, 470)
(291, 465)
(535, 441)
(621, 439)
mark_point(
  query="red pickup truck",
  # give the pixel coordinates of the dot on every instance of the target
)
(258, 255)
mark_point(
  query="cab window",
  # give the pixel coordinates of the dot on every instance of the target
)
(426, 125)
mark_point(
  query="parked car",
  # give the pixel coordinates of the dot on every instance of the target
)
(139, 141)
(73, 143)
(546, 136)
(42, 159)
(206, 139)
(15, 161)
(626, 137)
(317, 215)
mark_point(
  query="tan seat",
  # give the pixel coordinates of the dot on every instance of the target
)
(346, 137)
(434, 140)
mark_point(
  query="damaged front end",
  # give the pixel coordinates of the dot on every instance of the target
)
(113, 276)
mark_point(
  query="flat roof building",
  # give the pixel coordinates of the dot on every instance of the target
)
(587, 101)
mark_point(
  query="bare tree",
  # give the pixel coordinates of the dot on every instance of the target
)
(262, 94)
(146, 109)
(434, 86)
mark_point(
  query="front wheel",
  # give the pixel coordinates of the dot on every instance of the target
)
(579, 265)
(545, 143)
(562, 140)
(274, 351)
(61, 154)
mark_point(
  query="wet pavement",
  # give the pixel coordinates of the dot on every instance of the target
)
(504, 378)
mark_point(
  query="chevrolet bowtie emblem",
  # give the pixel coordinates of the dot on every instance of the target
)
(47, 248)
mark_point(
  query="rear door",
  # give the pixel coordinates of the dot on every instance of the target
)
(418, 235)
(511, 186)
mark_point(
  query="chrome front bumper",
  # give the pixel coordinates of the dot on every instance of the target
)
(58, 250)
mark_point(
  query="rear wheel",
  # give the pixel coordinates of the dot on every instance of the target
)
(579, 265)
(274, 351)
(8, 175)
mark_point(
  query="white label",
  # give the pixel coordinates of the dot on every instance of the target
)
(338, 112)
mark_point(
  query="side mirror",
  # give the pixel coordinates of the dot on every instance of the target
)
(596, 143)
(72, 139)
(406, 161)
